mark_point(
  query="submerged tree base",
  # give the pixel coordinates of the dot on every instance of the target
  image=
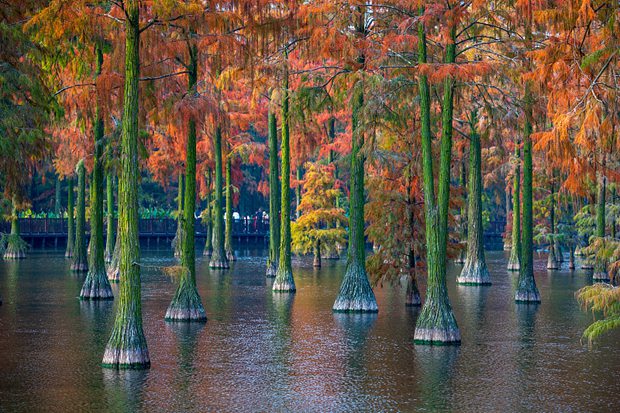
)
(355, 294)
(207, 252)
(219, 264)
(552, 262)
(461, 259)
(186, 304)
(68, 254)
(127, 348)
(527, 295)
(413, 298)
(600, 276)
(272, 269)
(230, 256)
(96, 287)
(284, 282)
(114, 274)
(16, 247)
(474, 272)
(79, 266)
(436, 324)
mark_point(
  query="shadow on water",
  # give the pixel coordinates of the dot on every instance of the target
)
(435, 371)
(124, 389)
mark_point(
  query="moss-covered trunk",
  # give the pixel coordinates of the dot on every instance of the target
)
(80, 261)
(15, 246)
(284, 281)
(413, 293)
(274, 198)
(316, 263)
(57, 199)
(475, 271)
(600, 265)
(186, 304)
(436, 323)
(70, 220)
(208, 218)
(218, 258)
(228, 239)
(177, 241)
(127, 345)
(526, 288)
(331, 252)
(298, 192)
(96, 285)
(514, 262)
(463, 213)
(109, 240)
(552, 261)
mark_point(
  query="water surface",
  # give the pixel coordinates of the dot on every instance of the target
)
(278, 352)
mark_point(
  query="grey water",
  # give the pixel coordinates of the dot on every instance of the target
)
(261, 351)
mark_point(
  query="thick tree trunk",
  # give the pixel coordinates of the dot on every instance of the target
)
(177, 241)
(209, 218)
(96, 285)
(526, 287)
(475, 271)
(228, 241)
(436, 323)
(127, 345)
(284, 281)
(70, 220)
(274, 198)
(15, 245)
(186, 304)
(109, 240)
(514, 263)
(80, 261)
(218, 258)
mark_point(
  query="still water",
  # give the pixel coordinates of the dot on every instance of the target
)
(266, 352)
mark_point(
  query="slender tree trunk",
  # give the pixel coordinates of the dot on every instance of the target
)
(552, 261)
(186, 304)
(15, 245)
(114, 268)
(284, 281)
(413, 293)
(80, 261)
(70, 220)
(96, 285)
(463, 214)
(526, 287)
(436, 323)
(209, 219)
(332, 251)
(600, 265)
(109, 241)
(218, 258)
(508, 204)
(177, 241)
(228, 241)
(475, 271)
(317, 254)
(298, 192)
(514, 263)
(57, 199)
(127, 346)
(274, 198)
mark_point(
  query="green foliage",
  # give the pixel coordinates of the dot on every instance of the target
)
(585, 222)
(606, 253)
(600, 298)
(320, 221)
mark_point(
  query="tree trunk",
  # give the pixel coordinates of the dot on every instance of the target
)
(526, 288)
(70, 220)
(298, 192)
(284, 281)
(331, 253)
(413, 293)
(274, 198)
(600, 265)
(127, 347)
(552, 261)
(96, 285)
(57, 199)
(209, 218)
(514, 263)
(228, 241)
(436, 323)
(186, 304)
(475, 271)
(316, 263)
(177, 241)
(218, 258)
(15, 245)
(109, 241)
(80, 261)
(463, 215)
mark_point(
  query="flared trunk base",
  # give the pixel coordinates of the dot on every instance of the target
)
(114, 274)
(219, 264)
(79, 266)
(474, 273)
(96, 287)
(552, 262)
(436, 324)
(69, 254)
(186, 304)
(14, 255)
(284, 282)
(208, 252)
(437, 336)
(127, 347)
(355, 294)
(271, 270)
(230, 256)
(527, 296)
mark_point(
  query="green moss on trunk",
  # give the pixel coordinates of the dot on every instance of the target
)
(274, 198)
(436, 324)
(70, 220)
(228, 241)
(208, 250)
(177, 241)
(57, 199)
(514, 262)
(80, 261)
(298, 192)
(552, 261)
(96, 285)
(475, 271)
(127, 345)
(218, 258)
(15, 246)
(284, 281)
(109, 240)
(186, 304)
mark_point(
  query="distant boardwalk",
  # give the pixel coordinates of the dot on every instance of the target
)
(48, 231)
